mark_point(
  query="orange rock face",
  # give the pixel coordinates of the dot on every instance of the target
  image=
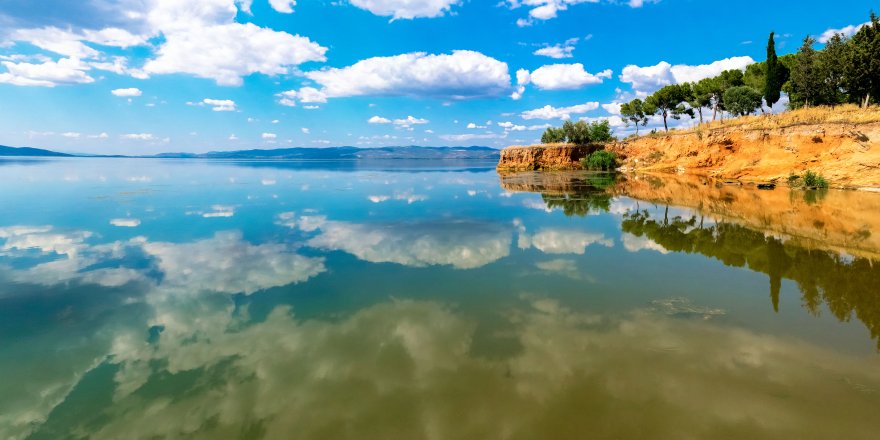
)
(847, 155)
(544, 157)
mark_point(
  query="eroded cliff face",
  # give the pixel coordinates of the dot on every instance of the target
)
(848, 155)
(543, 157)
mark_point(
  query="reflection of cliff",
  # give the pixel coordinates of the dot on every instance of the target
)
(840, 220)
(575, 193)
(847, 286)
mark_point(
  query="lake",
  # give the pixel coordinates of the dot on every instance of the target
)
(211, 299)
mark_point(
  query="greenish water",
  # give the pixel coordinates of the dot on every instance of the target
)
(193, 299)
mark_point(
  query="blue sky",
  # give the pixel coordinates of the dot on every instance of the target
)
(149, 76)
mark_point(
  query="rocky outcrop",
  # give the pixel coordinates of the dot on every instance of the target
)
(544, 157)
(846, 154)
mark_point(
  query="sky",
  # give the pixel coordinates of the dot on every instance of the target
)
(150, 76)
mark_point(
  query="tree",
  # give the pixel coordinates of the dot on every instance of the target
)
(831, 69)
(553, 136)
(635, 112)
(600, 131)
(698, 95)
(742, 100)
(668, 103)
(806, 83)
(577, 133)
(775, 74)
(862, 79)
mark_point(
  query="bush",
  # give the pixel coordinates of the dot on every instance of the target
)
(600, 160)
(553, 136)
(814, 180)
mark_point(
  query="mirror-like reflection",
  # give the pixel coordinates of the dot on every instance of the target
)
(169, 299)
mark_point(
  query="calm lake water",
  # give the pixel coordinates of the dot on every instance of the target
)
(193, 299)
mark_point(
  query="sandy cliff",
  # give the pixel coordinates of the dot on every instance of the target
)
(543, 157)
(843, 145)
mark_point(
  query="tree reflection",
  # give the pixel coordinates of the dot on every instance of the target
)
(846, 285)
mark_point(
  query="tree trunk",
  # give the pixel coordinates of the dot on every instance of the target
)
(664, 122)
(867, 100)
(714, 111)
(700, 111)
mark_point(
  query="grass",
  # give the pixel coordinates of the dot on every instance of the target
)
(841, 114)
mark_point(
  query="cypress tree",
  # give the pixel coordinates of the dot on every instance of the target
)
(773, 77)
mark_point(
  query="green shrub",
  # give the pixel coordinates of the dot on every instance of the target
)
(814, 180)
(600, 160)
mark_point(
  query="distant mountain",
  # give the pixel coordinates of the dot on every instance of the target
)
(350, 153)
(331, 153)
(26, 151)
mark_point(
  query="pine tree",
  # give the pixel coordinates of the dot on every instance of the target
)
(806, 83)
(862, 77)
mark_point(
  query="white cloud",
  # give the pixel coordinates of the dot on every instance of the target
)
(406, 9)
(46, 74)
(565, 77)
(71, 134)
(305, 130)
(409, 120)
(305, 95)
(228, 52)
(547, 9)
(139, 136)
(558, 51)
(650, 78)
(220, 105)
(283, 6)
(469, 137)
(269, 136)
(460, 75)
(550, 112)
(129, 92)
(522, 79)
(378, 120)
(847, 31)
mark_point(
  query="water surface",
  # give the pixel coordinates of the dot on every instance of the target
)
(211, 299)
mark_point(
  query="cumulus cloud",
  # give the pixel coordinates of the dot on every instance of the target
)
(283, 6)
(558, 51)
(547, 9)
(565, 77)
(245, 48)
(129, 92)
(406, 9)
(378, 120)
(269, 136)
(460, 75)
(46, 74)
(220, 105)
(847, 31)
(305, 95)
(647, 79)
(550, 112)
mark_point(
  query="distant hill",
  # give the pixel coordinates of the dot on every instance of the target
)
(26, 151)
(331, 153)
(350, 153)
